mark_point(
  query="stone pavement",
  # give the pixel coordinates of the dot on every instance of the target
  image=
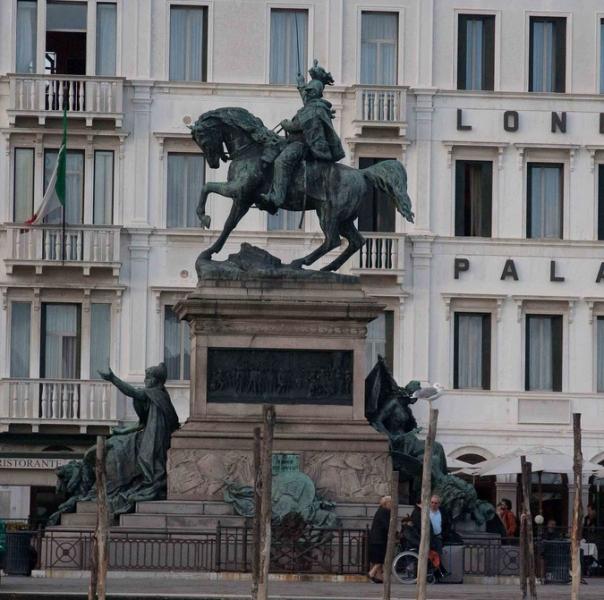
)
(153, 585)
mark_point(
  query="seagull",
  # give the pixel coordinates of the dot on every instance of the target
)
(430, 393)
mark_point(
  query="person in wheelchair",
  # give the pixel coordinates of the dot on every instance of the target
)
(440, 532)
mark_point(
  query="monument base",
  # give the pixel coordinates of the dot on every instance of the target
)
(298, 344)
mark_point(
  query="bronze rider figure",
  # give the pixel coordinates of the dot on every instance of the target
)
(311, 135)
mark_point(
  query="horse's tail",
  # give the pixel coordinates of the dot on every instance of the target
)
(390, 177)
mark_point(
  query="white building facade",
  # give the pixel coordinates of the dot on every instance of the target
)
(496, 290)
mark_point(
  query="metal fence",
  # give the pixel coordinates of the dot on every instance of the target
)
(230, 549)
(320, 551)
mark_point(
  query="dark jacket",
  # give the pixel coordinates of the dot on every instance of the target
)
(378, 534)
(416, 519)
(314, 119)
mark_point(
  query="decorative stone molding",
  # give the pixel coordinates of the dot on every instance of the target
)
(269, 328)
(451, 145)
(570, 303)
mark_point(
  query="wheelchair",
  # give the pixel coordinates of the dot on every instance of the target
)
(405, 566)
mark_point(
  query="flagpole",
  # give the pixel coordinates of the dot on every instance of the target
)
(63, 207)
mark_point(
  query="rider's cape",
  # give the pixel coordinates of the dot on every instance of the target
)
(315, 120)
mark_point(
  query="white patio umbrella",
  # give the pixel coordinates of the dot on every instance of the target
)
(542, 458)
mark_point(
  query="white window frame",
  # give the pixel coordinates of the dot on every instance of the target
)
(401, 50)
(169, 143)
(546, 307)
(497, 45)
(209, 6)
(90, 35)
(460, 303)
(476, 152)
(548, 155)
(112, 143)
(599, 80)
(83, 297)
(568, 84)
(289, 5)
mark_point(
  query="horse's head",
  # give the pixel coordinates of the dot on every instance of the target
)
(231, 126)
(207, 134)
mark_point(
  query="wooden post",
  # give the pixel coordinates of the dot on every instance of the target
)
(424, 545)
(529, 552)
(268, 426)
(98, 573)
(522, 548)
(577, 508)
(392, 537)
(257, 513)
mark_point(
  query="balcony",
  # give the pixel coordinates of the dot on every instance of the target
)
(43, 96)
(382, 254)
(380, 107)
(84, 246)
(57, 401)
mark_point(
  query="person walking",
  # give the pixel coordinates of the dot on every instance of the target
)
(378, 539)
(504, 510)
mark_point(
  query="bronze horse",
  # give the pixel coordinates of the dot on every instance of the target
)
(334, 191)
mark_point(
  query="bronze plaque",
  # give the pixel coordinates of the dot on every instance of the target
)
(263, 376)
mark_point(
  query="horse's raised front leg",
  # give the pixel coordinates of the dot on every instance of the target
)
(224, 188)
(238, 210)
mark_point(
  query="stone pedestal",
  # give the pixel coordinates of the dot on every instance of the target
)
(296, 344)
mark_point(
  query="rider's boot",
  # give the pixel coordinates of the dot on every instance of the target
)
(276, 195)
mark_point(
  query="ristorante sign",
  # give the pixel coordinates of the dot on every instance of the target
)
(32, 463)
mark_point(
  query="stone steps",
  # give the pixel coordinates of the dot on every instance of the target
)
(204, 515)
(175, 521)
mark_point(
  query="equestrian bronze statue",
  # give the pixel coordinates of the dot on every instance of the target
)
(297, 172)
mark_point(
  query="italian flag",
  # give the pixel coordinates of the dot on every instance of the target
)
(56, 186)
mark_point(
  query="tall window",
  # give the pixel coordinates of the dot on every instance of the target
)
(100, 338)
(547, 60)
(176, 345)
(185, 178)
(379, 340)
(289, 45)
(74, 186)
(103, 187)
(376, 212)
(476, 52)
(106, 36)
(20, 329)
(472, 359)
(601, 202)
(23, 207)
(600, 354)
(284, 220)
(601, 56)
(543, 353)
(27, 18)
(188, 43)
(379, 48)
(66, 28)
(544, 200)
(473, 197)
(60, 341)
